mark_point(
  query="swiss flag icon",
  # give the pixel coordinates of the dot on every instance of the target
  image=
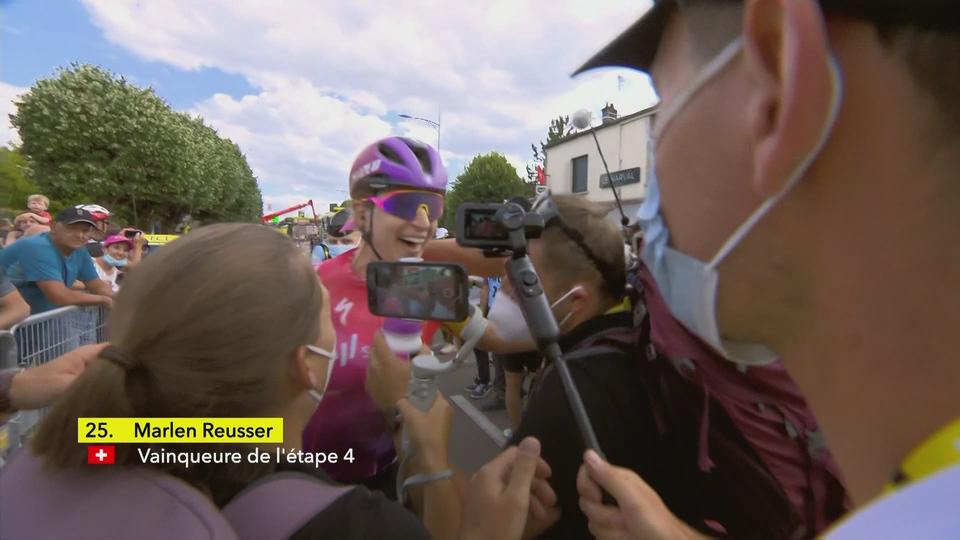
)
(101, 454)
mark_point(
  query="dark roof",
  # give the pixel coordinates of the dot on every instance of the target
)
(643, 112)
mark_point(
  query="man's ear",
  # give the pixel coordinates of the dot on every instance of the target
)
(581, 293)
(792, 85)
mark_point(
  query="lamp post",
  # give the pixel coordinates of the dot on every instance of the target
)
(428, 121)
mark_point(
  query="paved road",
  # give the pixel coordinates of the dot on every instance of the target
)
(477, 436)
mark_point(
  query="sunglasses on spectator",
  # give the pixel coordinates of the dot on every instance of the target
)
(406, 204)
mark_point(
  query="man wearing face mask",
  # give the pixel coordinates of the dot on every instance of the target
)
(706, 450)
(584, 282)
(797, 109)
(341, 237)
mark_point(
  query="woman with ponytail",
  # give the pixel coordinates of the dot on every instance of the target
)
(245, 333)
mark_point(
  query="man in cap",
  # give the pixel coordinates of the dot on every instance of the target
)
(45, 266)
(101, 219)
(341, 235)
(806, 155)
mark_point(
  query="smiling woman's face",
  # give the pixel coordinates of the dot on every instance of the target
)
(395, 238)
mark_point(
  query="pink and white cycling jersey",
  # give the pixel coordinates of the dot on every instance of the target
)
(347, 419)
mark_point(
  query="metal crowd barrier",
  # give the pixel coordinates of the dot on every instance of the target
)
(8, 359)
(37, 340)
(8, 350)
(45, 336)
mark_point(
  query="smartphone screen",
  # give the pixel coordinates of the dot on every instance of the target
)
(417, 290)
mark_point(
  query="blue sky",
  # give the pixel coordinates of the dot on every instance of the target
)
(301, 87)
(39, 36)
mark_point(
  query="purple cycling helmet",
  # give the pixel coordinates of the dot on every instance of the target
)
(397, 162)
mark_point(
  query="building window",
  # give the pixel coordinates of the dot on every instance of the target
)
(579, 174)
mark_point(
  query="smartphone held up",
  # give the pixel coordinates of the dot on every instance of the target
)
(418, 290)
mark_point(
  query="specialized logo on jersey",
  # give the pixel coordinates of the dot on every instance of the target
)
(348, 350)
(343, 307)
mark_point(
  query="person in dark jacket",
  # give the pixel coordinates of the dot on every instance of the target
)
(649, 413)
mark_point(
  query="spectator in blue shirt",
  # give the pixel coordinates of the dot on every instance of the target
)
(44, 267)
(13, 309)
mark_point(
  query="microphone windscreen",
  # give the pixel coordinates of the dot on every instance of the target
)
(581, 119)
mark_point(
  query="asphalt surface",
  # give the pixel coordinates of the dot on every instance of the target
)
(476, 436)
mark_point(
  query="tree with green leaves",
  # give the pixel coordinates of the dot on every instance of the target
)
(559, 128)
(15, 188)
(89, 133)
(487, 178)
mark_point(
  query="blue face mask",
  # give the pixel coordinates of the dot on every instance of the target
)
(118, 263)
(340, 249)
(689, 286)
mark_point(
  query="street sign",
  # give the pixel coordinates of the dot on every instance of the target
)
(621, 178)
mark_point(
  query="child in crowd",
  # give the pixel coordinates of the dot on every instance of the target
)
(38, 205)
(26, 224)
(116, 248)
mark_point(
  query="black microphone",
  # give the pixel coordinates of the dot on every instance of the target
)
(581, 120)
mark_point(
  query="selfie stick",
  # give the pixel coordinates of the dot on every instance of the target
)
(403, 337)
(536, 311)
(543, 328)
(426, 367)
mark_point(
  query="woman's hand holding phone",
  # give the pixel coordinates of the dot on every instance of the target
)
(387, 375)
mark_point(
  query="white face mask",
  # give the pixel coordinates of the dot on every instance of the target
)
(689, 286)
(508, 316)
(332, 361)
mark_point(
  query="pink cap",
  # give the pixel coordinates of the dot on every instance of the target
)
(116, 239)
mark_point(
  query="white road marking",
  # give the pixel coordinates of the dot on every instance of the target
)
(481, 420)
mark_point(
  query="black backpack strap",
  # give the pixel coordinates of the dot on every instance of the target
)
(276, 507)
(590, 351)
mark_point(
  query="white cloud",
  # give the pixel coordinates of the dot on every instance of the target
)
(8, 93)
(296, 137)
(333, 75)
(518, 163)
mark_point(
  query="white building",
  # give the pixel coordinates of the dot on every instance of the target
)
(573, 165)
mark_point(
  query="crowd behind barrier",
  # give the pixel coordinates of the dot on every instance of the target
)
(37, 340)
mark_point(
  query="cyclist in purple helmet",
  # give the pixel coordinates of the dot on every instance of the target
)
(398, 176)
(397, 186)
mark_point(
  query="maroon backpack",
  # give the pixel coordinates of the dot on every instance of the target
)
(763, 433)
